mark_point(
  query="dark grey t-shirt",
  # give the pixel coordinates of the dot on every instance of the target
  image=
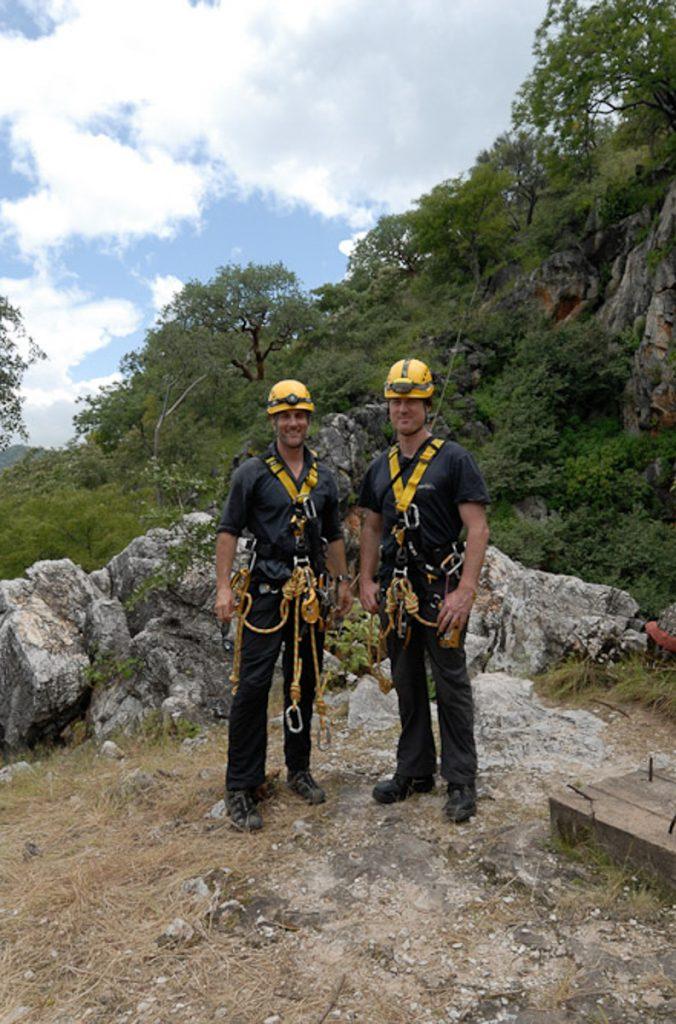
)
(258, 502)
(451, 478)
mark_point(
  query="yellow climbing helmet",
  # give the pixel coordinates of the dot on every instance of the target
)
(409, 378)
(289, 394)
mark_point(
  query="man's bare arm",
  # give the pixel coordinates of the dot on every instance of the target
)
(336, 562)
(369, 553)
(226, 546)
(457, 605)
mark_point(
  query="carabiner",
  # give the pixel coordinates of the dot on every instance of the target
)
(309, 508)
(412, 517)
(298, 727)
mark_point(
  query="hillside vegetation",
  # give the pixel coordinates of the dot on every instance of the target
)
(539, 395)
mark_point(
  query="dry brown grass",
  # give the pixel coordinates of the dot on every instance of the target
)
(80, 919)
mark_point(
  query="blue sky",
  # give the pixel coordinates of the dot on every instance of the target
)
(145, 142)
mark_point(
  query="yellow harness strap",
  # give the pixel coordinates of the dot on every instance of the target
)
(296, 494)
(403, 496)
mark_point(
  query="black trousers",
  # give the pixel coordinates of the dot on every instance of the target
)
(416, 751)
(248, 733)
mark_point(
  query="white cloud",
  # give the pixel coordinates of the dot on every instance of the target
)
(164, 288)
(130, 116)
(68, 325)
(347, 245)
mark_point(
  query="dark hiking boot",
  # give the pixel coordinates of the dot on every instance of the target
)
(302, 783)
(243, 811)
(399, 787)
(461, 803)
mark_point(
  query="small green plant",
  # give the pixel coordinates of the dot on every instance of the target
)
(106, 670)
(350, 643)
(193, 548)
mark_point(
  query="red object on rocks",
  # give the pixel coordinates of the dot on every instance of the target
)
(661, 637)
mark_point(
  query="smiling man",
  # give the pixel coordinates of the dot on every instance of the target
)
(418, 498)
(288, 501)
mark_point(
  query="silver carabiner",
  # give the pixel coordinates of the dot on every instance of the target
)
(309, 509)
(298, 727)
(412, 517)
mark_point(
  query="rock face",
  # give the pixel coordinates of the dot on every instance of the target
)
(348, 443)
(529, 620)
(565, 285)
(636, 259)
(652, 389)
(43, 651)
(68, 644)
(68, 647)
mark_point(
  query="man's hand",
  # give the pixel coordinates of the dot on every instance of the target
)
(369, 595)
(225, 603)
(344, 598)
(455, 609)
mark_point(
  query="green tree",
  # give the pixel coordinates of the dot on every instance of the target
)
(463, 223)
(519, 154)
(241, 316)
(608, 59)
(13, 365)
(390, 243)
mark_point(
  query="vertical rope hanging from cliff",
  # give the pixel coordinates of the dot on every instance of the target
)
(454, 352)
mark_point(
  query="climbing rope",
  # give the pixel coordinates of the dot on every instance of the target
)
(300, 593)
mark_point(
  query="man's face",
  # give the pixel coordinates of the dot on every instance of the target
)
(407, 415)
(291, 427)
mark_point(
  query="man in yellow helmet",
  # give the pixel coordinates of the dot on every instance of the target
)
(288, 501)
(418, 498)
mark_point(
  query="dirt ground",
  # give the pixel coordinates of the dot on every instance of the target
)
(347, 911)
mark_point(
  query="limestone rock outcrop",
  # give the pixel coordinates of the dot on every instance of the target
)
(43, 651)
(529, 620)
(72, 644)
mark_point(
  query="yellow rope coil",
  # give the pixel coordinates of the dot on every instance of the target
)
(300, 590)
(400, 598)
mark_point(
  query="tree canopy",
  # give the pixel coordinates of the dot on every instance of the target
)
(241, 316)
(613, 58)
(13, 365)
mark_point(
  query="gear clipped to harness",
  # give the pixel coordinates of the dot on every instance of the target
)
(301, 598)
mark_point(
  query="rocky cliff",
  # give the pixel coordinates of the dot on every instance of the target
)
(626, 275)
(72, 647)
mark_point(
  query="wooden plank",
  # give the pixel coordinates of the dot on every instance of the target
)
(628, 815)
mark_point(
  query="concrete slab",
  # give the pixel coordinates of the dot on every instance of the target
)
(629, 815)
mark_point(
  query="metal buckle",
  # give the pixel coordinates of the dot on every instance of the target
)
(452, 563)
(412, 517)
(250, 552)
(309, 510)
(298, 727)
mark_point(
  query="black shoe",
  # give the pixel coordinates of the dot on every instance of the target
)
(461, 803)
(390, 791)
(302, 783)
(243, 811)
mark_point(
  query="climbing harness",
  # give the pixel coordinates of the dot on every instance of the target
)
(304, 595)
(401, 604)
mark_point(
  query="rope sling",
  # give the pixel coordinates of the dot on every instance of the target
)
(299, 596)
(401, 601)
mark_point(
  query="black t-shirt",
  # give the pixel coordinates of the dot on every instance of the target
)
(451, 478)
(258, 502)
